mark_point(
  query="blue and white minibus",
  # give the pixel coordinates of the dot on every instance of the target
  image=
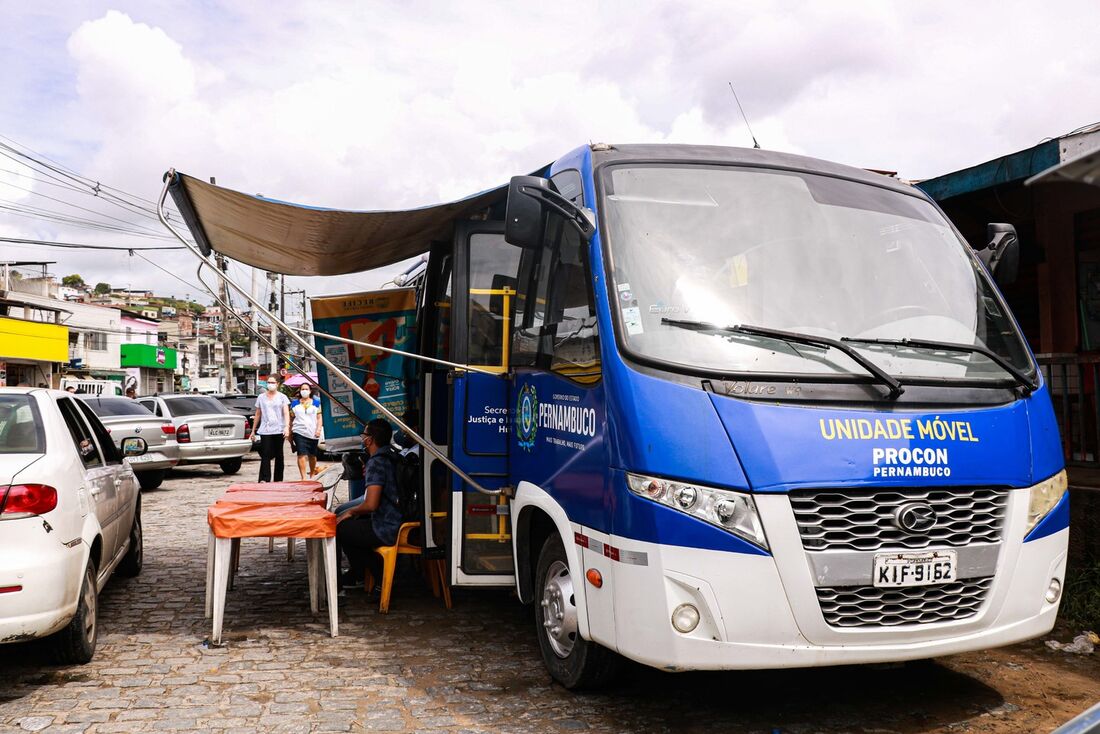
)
(711, 408)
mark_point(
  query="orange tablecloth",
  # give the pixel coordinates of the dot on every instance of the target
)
(267, 521)
(271, 498)
(308, 485)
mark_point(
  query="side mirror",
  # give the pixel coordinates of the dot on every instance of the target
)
(1002, 254)
(528, 198)
(523, 214)
(134, 446)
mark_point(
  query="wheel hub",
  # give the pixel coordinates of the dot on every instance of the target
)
(90, 606)
(559, 610)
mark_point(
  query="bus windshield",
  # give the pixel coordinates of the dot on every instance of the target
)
(722, 246)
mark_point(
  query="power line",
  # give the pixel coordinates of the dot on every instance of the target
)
(84, 246)
(69, 178)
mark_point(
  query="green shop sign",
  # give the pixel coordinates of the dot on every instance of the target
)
(147, 355)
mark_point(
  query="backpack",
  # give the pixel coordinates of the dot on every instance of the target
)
(406, 469)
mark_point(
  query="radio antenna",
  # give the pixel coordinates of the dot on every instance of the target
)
(744, 116)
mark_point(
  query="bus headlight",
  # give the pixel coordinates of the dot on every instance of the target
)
(1043, 497)
(734, 512)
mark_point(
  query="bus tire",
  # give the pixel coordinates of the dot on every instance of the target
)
(572, 661)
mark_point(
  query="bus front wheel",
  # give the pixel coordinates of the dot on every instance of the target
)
(573, 661)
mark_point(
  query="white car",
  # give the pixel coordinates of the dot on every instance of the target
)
(70, 516)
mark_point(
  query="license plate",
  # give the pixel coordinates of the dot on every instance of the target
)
(219, 432)
(144, 458)
(915, 569)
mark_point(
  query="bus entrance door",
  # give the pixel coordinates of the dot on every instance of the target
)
(484, 296)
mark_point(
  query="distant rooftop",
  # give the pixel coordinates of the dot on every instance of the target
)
(1015, 166)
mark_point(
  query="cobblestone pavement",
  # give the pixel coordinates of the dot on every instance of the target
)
(477, 668)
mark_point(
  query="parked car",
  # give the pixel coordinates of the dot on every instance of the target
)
(240, 404)
(206, 432)
(123, 418)
(70, 516)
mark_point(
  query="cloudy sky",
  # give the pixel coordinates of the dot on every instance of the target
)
(371, 105)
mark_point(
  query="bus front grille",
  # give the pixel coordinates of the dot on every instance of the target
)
(868, 606)
(866, 520)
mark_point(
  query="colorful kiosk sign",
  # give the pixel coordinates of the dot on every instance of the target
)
(386, 318)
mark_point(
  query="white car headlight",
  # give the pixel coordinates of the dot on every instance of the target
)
(1043, 498)
(734, 512)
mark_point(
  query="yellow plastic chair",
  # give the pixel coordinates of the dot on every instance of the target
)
(435, 567)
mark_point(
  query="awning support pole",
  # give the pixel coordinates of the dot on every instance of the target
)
(433, 360)
(309, 348)
(268, 343)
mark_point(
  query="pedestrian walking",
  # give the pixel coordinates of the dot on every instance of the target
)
(305, 413)
(272, 423)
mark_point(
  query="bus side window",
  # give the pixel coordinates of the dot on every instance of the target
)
(555, 318)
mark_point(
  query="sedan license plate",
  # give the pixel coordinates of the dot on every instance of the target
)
(915, 569)
(144, 458)
(219, 432)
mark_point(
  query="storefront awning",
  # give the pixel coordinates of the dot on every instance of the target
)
(302, 240)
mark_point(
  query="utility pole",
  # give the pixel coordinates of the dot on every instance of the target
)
(282, 310)
(230, 385)
(227, 344)
(253, 342)
(273, 306)
(299, 358)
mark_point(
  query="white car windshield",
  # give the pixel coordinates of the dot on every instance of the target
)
(717, 246)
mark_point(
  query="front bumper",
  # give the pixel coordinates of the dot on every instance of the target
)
(761, 611)
(207, 452)
(50, 574)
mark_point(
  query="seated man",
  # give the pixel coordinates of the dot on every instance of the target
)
(372, 521)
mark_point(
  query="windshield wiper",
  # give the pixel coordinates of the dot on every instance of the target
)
(1028, 384)
(892, 385)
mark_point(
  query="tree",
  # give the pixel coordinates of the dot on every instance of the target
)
(72, 281)
(102, 288)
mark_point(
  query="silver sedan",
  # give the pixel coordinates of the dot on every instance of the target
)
(206, 432)
(124, 418)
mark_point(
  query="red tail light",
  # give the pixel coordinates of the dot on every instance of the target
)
(30, 499)
(183, 434)
(247, 426)
(168, 429)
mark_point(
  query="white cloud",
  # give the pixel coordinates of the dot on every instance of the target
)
(377, 105)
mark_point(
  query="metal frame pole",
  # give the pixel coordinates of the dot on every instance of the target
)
(267, 342)
(317, 355)
(433, 360)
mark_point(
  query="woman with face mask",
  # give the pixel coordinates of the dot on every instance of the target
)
(306, 413)
(272, 423)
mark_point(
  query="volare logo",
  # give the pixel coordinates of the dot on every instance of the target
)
(527, 412)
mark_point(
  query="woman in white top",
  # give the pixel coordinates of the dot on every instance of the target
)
(306, 425)
(272, 422)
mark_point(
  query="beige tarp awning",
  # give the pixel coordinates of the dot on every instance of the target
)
(300, 240)
(1083, 169)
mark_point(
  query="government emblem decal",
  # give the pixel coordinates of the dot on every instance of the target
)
(527, 417)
